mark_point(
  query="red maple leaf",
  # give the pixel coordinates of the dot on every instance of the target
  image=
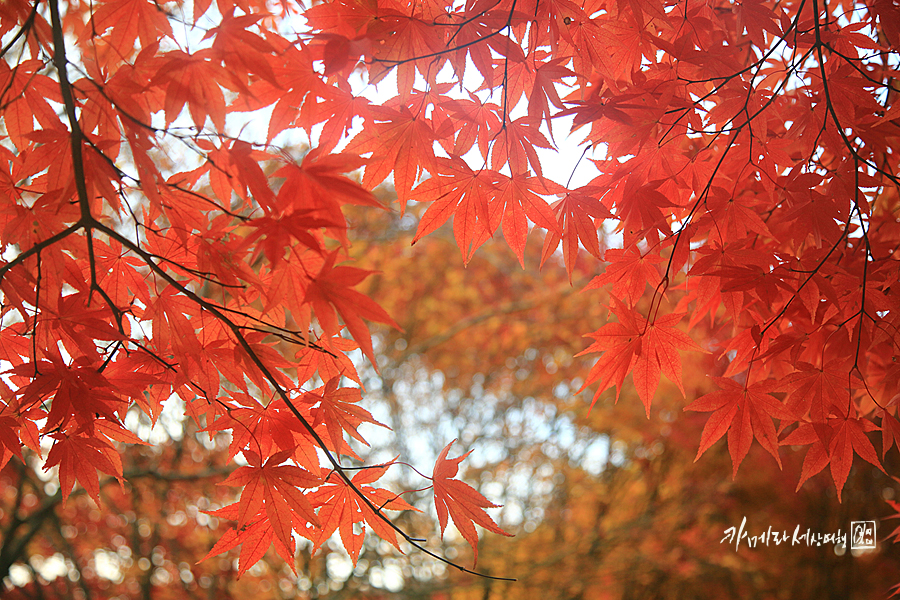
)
(649, 349)
(890, 432)
(629, 271)
(816, 391)
(744, 412)
(849, 438)
(255, 538)
(516, 145)
(460, 191)
(129, 20)
(330, 291)
(517, 198)
(343, 508)
(816, 457)
(79, 457)
(460, 501)
(338, 409)
(401, 143)
(183, 76)
(273, 487)
(576, 214)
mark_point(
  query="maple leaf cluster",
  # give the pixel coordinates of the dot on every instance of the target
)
(134, 274)
(153, 250)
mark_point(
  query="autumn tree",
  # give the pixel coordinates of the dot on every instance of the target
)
(162, 248)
